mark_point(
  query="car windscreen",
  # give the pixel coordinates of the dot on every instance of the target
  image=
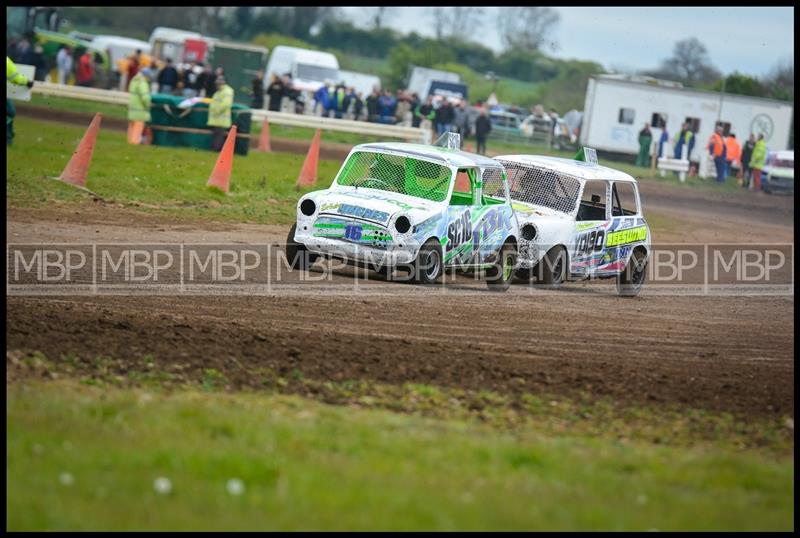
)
(316, 72)
(396, 173)
(542, 186)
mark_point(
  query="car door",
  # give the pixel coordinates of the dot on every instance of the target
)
(591, 222)
(626, 229)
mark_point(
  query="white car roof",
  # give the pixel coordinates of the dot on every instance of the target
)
(452, 157)
(578, 169)
(786, 154)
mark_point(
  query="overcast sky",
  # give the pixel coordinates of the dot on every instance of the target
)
(750, 40)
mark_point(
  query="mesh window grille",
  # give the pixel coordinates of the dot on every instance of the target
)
(396, 173)
(542, 186)
(493, 183)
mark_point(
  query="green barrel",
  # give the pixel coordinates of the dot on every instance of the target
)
(164, 111)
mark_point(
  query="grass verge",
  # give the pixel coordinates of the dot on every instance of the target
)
(87, 458)
(169, 181)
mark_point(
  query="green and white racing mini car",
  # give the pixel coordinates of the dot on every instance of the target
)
(415, 207)
(578, 220)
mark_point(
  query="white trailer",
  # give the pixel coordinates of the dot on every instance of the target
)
(420, 79)
(618, 106)
(362, 82)
(310, 69)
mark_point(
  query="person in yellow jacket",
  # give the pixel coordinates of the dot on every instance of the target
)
(138, 106)
(219, 113)
(13, 76)
(758, 161)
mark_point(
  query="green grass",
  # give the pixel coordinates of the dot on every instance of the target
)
(311, 466)
(155, 179)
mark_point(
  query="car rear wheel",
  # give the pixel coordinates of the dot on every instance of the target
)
(631, 280)
(499, 276)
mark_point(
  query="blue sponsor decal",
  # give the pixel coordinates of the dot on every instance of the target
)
(363, 212)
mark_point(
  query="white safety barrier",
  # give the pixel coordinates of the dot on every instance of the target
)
(114, 97)
(674, 165)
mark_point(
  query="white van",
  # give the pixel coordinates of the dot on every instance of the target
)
(169, 42)
(309, 68)
(362, 82)
(119, 47)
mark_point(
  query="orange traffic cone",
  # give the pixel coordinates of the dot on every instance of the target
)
(78, 166)
(308, 174)
(263, 140)
(221, 175)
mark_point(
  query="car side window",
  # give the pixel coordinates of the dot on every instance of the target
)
(463, 190)
(593, 201)
(624, 199)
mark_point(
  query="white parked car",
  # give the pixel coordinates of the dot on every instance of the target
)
(577, 220)
(778, 174)
(416, 207)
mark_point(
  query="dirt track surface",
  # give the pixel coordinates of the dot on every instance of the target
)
(732, 354)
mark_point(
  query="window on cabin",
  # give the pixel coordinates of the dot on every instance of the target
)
(593, 201)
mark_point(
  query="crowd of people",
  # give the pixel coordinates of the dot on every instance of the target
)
(729, 157)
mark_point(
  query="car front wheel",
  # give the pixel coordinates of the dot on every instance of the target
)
(428, 266)
(296, 253)
(499, 276)
(552, 269)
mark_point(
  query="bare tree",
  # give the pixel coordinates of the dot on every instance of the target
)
(780, 79)
(527, 27)
(690, 63)
(457, 21)
(378, 16)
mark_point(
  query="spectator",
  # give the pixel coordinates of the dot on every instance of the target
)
(39, 62)
(134, 65)
(403, 108)
(258, 91)
(424, 112)
(372, 105)
(276, 91)
(349, 100)
(337, 102)
(460, 120)
(444, 118)
(358, 107)
(138, 106)
(747, 153)
(482, 129)
(219, 112)
(645, 140)
(661, 141)
(733, 153)
(387, 105)
(84, 72)
(191, 80)
(415, 118)
(13, 76)
(685, 137)
(716, 149)
(64, 64)
(758, 161)
(168, 78)
(322, 99)
(211, 80)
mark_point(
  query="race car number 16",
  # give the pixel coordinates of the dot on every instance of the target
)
(352, 232)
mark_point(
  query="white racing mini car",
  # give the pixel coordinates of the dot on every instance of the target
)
(416, 207)
(577, 220)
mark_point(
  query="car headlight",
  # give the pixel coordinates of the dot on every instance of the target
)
(308, 207)
(528, 232)
(402, 224)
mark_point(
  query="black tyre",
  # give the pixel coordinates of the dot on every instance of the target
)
(552, 269)
(296, 253)
(499, 276)
(525, 275)
(631, 280)
(429, 264)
